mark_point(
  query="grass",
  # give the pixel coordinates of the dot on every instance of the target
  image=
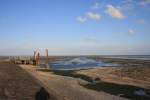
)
(140, 73)
(44, 70)
(71, 73)
(126, 91)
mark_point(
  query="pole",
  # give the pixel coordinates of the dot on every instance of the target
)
(46, 55)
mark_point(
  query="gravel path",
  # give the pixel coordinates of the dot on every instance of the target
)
(67, 88)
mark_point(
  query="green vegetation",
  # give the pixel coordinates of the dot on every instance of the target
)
(44, 70)
(126, 91)
(71, 73)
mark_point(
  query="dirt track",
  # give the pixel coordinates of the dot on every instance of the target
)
(15, 83)
(22, 84)
(67, 88)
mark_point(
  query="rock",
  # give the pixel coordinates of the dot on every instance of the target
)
(97, 79)
(82, 82)
(140, 93)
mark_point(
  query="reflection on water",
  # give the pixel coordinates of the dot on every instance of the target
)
(78, 63)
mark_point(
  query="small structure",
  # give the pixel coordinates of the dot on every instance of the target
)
(42, 65)
(33, 60)
(23, 60)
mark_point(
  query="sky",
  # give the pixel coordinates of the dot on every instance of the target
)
(75, 27)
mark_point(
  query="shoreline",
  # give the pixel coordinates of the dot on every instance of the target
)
(94, 83)
(67, 88)
(57, 80)
(106, 62)
(78, 69)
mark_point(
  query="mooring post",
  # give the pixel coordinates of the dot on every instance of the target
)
(46, 55)
(34, 56)
(47, 58)
(38, 59)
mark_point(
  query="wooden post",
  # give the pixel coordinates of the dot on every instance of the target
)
(46, 55)
(34, 56)
(38, 59)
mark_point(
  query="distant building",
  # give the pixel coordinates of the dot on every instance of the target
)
(23, 60)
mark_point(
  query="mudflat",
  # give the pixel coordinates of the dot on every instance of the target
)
(67, 88)
(15, 83)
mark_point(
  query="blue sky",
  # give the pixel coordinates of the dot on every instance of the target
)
(75, 27)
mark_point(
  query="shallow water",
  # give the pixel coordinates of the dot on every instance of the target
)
(78, 63)
(136, 57)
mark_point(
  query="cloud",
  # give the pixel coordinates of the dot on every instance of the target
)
(131, 31)
(94, 16)
(81, 19)
(114, 12)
